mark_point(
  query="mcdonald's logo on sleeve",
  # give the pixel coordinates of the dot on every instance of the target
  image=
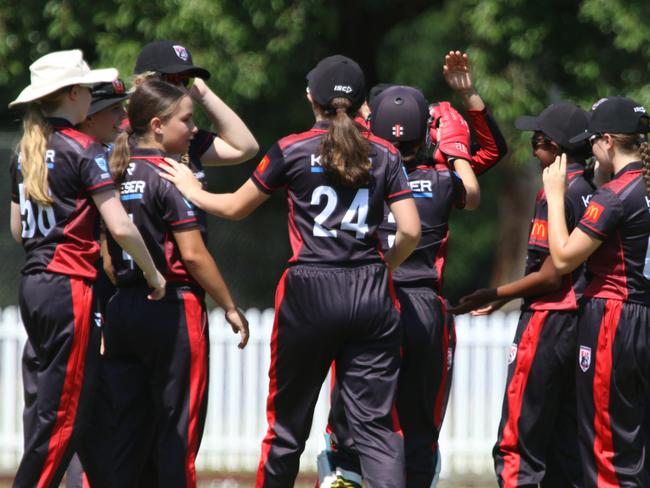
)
(263, 164)
(593, 212)
(539, 231)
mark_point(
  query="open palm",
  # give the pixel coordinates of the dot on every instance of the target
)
(458, 72)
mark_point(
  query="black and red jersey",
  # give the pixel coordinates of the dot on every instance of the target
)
(61, 238)
(619, 215)
(436, 190)
(328, 222)
(157, 209)
(576, 200)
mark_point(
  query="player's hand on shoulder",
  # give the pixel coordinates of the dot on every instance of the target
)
(181, 176)
(237, 320)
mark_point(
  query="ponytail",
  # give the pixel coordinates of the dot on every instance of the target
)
(32, 148)
(645, 160)
(344, 151)
(120, 157)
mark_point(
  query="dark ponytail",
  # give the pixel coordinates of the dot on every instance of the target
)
(644, 151)
(344, 151)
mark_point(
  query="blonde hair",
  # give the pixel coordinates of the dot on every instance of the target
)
(33, 145)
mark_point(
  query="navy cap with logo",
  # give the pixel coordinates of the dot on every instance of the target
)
(168, 57)
(106, 94)
(560, 122)
(615, 115)
(399, 114)
(337, 76)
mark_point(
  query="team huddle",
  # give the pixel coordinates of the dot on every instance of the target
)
(110, 204)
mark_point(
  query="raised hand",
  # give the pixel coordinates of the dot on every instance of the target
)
(458, 72)
(554, 177)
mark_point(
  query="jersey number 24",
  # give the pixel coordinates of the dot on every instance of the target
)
(354, 218)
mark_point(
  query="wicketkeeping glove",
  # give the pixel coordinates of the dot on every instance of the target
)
(449, 133)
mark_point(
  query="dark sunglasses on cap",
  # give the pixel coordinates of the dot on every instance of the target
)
(177, 79)
(540, 141)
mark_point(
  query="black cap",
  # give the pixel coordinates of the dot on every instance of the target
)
(168, 57)
(106, 94)
(615, 115)
(337, 76)
(560, 122)
(399, 114)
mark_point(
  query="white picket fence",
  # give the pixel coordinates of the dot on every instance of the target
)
(236, 420)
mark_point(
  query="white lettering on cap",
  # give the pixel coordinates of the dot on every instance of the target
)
(639, 109)
(595, 105)
(343, 88)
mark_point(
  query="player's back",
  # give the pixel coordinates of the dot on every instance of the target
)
(330, 223)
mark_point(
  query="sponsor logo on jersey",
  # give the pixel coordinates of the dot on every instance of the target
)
(264, 163)
(181, 52)
(100, 161)
(315, 164)
(593, 212)
(421, 188)
(539, 230)
(343, 88)
(586, 199)
(584, 358)
(132, 190)
(398, 130)
(512, 353)
(130, 169)
(49, 158)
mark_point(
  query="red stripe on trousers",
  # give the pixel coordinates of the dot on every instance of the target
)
(603, 442)
(194, 319)
(84, 481)
(442, 389)
(515, 396)
(82, 296)
(273, 384)
(328, 427)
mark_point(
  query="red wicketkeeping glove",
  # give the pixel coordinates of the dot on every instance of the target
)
(450, 130)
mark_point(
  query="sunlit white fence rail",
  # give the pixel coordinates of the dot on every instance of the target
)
(236, 420)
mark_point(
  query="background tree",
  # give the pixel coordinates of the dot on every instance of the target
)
(525, 55)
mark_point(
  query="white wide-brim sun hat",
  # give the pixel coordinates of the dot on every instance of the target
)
(59, 69)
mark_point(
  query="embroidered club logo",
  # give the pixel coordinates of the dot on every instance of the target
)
(398, 130)
(263, 165)
(512, 354)
(181, 52)
(593, 212)
(584, 358)
(450, 358)
(101, 162)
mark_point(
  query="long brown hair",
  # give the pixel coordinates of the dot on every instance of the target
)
(33, 145)
(153, 98)
(644, 151)
(344, 151)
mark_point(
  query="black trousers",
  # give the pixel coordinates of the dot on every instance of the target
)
(428, 348)
(613, 385)
(537, 438)
(59, 362)
(156, 371)
(347, 315)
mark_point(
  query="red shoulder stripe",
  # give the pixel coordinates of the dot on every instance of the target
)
(619, 184)
(83, 139)
(293, 138)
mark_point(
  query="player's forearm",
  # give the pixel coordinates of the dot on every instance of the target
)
(533, 284)
(470, 182)
(405, 244)
(204, 270)
(230, 127)
(558, 233)
(471, 99)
